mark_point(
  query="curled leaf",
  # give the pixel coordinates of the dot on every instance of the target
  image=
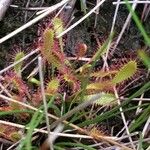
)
(81, 50)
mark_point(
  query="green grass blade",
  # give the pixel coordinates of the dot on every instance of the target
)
(58, 148)
(142, 118)
(76, 145)
(145, 58)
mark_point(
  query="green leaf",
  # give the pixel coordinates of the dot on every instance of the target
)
(100, 86)
(140, 143)
(35, 121)
(142, 118)
(48, 42)
(53, 56)
(18, 67)
(101, 74)
(52, 87)
(15, 136)
(86, 147)
(83, 6)
(34, 80)
(106, 99)
(127, 71)
(58, 26)
(145, 58)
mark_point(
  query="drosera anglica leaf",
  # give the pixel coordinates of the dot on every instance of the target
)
(50, 49)
(52, 87)
(58, 25)
(18, 84)
(58, 28)
(100, 86)
(106, 99)
(15, 136)
(18, 67)
(72, 80)
(48, 42)
(126, 72)
(101, 74)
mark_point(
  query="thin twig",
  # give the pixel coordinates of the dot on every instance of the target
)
(4, 4)
(96, 16)
(132, 2)
(147, 13)
(40, 65)
(29, 63)
(15, 144)
(5, 90)
(124, 119)
(146, 128)
(29, 8)
(80, 58)
(46, 9)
